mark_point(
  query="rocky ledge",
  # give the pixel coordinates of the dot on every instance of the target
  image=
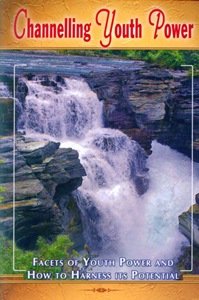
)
(45, 180)
(185, 221)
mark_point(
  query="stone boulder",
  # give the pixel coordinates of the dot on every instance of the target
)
(185, 224)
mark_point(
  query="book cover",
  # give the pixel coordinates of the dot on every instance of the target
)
(99, 149)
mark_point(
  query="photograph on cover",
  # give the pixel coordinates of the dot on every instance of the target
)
(105, 152)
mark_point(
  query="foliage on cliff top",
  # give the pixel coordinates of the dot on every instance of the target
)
(164, 58)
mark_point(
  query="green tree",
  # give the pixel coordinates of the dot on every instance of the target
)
(61, 248)
(164, 58)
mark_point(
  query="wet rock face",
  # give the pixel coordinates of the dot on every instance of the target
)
(91, 216)
(178, 119)
(185, 223)
(144, 101)
(36, 152)
(22, 91)
(150, 103)
(46, 178)
(6, 116)
(185, 226)
(197, 199)
(147, 92)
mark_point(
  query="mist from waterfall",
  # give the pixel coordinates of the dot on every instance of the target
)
(118, 221)
(4, 91)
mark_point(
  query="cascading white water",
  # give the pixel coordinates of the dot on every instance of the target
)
(62, 112)
(4, 92)
(111, 162)
(118, 221)
(72, 112)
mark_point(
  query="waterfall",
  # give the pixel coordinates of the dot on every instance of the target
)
(115, 165)
(4, 92)
(61, 109)
(126, 211)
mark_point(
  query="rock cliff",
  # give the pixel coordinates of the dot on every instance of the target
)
(145, 103)
(142, 100)
(150, 103)
(45, 178)
(185, 223)
(185, 220)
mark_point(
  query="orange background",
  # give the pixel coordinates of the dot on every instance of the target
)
(12, 288)
(178, 11)
(78, 290)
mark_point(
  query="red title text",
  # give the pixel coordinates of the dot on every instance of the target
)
(69, 28)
